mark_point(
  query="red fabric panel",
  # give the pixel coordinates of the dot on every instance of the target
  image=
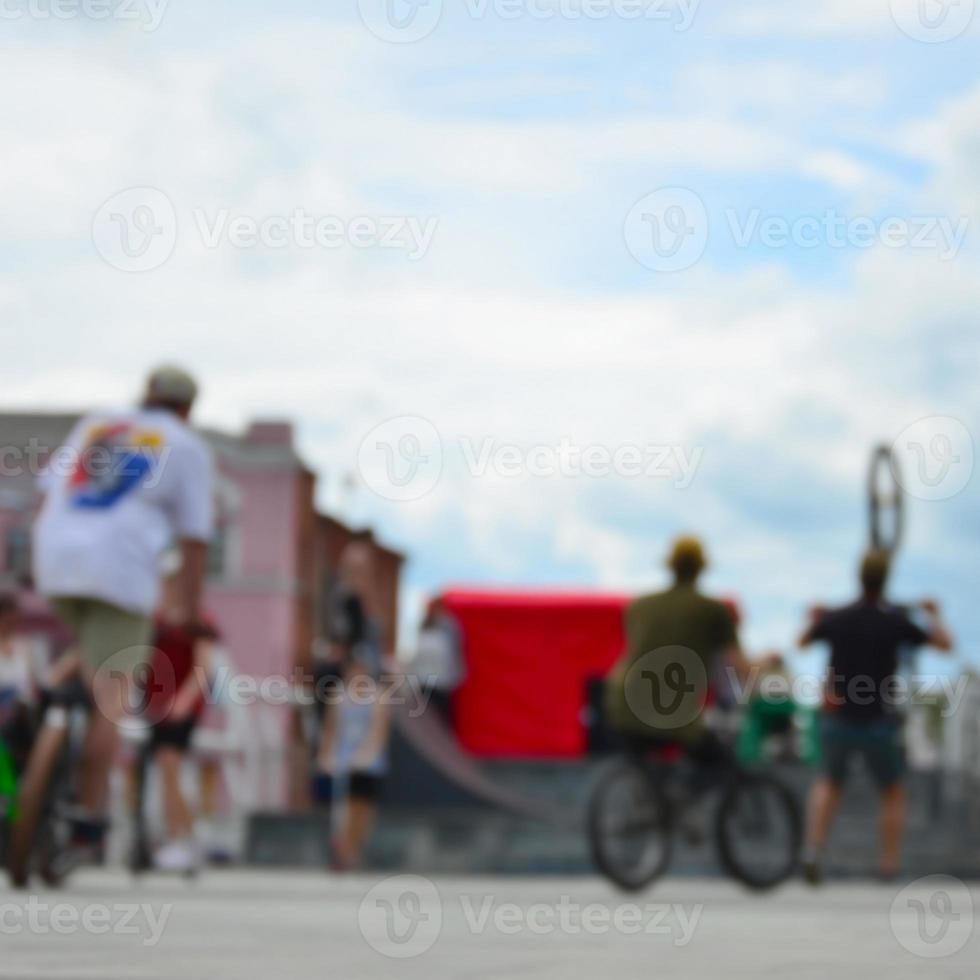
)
(529, 657)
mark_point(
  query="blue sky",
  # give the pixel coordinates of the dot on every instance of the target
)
(530, 319)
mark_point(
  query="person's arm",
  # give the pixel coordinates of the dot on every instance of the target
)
(192, 472)
(938, 634)
(195, 685)
(814, 630)
(193, 571)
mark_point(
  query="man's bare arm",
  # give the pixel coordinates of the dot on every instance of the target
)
(940, 636)
(193, 571)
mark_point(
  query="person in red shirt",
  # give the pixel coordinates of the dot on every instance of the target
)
(175, 698)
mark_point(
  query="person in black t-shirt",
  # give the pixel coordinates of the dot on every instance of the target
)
(862, 690)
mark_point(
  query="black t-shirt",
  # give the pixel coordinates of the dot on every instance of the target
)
(865, 639)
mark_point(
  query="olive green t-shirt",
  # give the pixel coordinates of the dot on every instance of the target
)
(680, 618)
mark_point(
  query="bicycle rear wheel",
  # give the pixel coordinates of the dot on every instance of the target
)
(630, 827)
(759, 831)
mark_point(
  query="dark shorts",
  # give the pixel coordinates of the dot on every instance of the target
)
(878, 742)
(360, 786)
(173, 735)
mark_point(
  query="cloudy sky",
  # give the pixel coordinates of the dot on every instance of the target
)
(600, 270)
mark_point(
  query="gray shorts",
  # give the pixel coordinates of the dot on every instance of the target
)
(878, 742)
(105, 634)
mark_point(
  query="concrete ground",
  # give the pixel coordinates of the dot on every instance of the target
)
(244, 925)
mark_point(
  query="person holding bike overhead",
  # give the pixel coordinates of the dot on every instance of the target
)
(122, 489)
(858, 717)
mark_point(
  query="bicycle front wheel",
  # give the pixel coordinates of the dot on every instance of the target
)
(33, 803)
(630, 827)
(759, 831)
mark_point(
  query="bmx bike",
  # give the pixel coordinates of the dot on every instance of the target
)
(641, 803)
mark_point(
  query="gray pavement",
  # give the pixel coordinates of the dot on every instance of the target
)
(243, 924)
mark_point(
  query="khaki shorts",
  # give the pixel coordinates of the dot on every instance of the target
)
(105, 633)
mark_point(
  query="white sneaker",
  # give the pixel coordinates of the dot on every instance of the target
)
(178, 855)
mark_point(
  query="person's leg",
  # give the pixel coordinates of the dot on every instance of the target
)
(822, 807)
(112, 645)
(360, 821)
(885, 756)
(178, 819)
(362, 807)
(101, 740)
(894, 806)
(825, 796)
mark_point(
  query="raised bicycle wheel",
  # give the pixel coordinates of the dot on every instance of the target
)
(630, 826)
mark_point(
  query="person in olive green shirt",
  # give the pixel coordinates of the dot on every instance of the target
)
(676, 641)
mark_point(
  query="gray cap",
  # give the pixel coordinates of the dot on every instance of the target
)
(169, 383)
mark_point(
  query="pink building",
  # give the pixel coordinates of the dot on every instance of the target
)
(271, 565)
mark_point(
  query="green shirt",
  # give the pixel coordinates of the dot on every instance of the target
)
(679, 617)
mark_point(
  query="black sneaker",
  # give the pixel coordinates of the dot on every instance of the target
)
(812, 872)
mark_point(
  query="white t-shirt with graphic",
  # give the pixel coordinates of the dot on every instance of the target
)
(117, 494)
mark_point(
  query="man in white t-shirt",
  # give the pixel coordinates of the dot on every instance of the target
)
(123, 488)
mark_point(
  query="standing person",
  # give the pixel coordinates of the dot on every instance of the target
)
(176, 698)
(354, 750)
(438, 662)
(117, 494)
(858, 718)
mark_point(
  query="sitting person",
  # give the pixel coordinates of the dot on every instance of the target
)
(676, 640)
